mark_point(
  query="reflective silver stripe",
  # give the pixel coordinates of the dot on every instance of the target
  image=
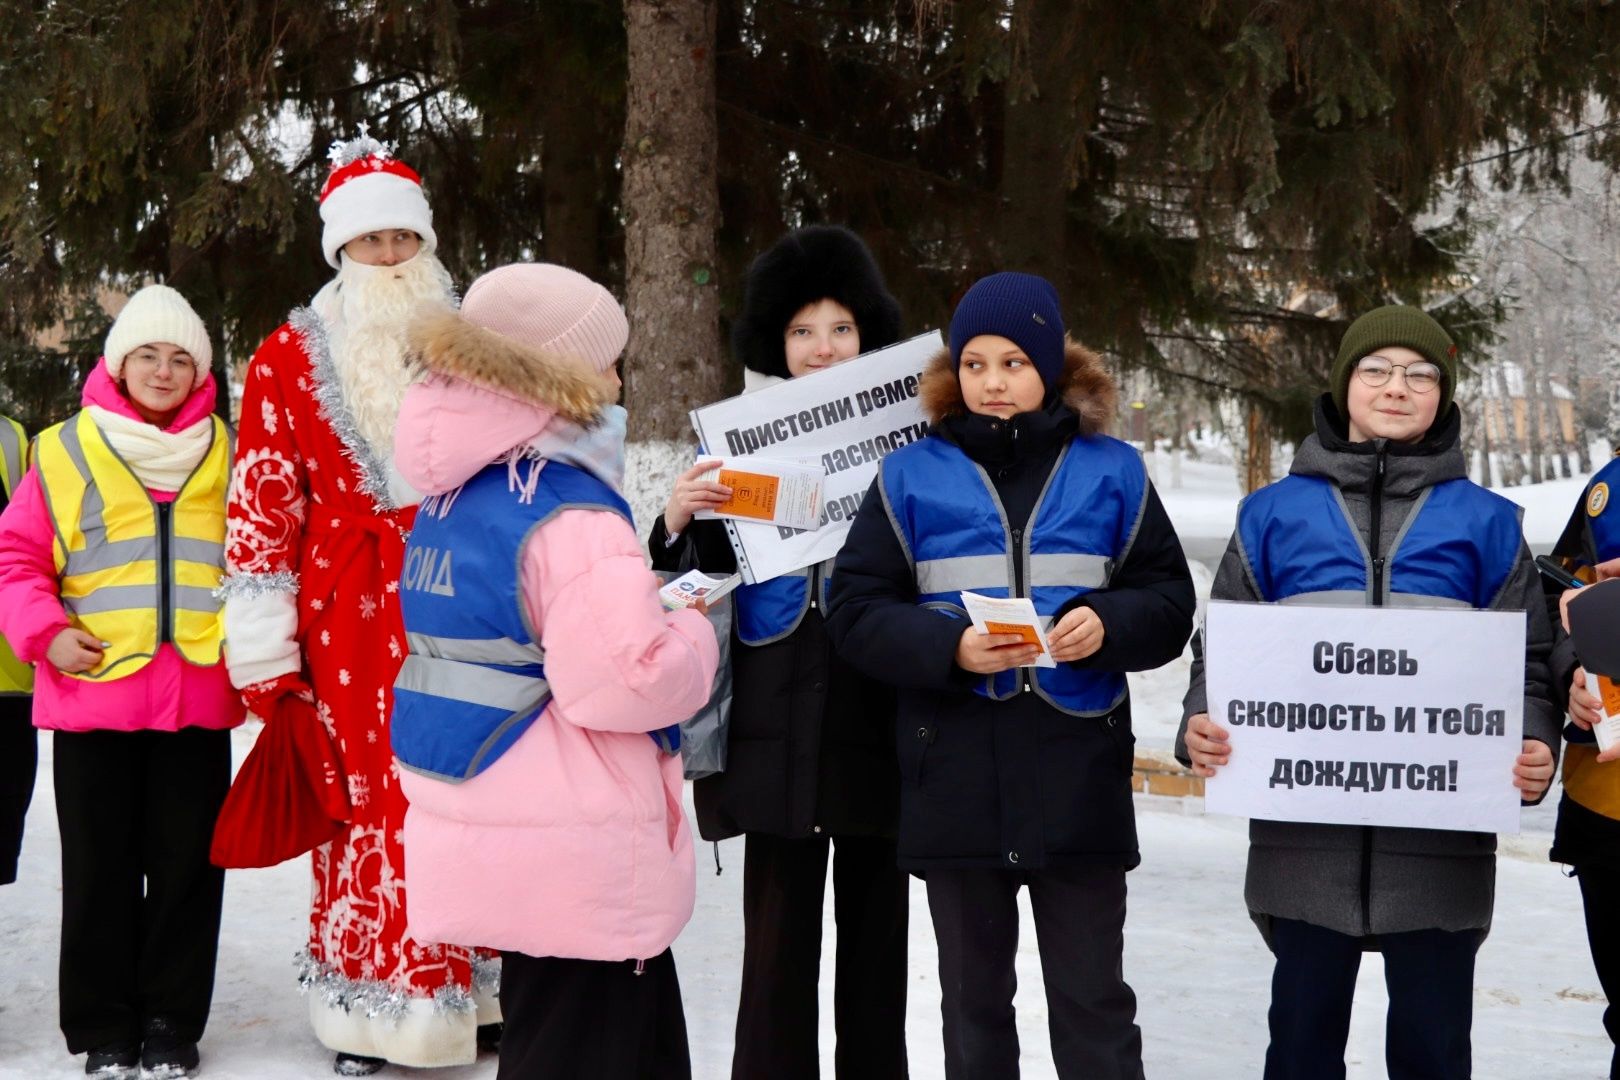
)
(190, 549)
(1419, 600)
(11, 453)
(92, 511)
(192, 598)
(472, 684)
(110, 554)
(1329, 598)
(1088, 571)
(502, 651)
(963, 573)
(114, 598)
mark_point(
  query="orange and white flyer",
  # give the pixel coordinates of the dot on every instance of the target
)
(1010, 615)
(782, 493)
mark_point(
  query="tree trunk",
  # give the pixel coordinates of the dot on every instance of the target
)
(1510, 448)
(1530, 380)
(1257, 455)
(671, 211)
(575, 163)
(1038, 153)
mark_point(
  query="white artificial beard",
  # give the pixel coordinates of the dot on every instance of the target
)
(367, 310)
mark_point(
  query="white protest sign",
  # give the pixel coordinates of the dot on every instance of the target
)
(847, 417)
(1367, 716)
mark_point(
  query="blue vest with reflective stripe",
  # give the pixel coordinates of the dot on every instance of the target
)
(771, 610)
(1458, 546)
(945, 510)
(1605, 523)
(474, 678)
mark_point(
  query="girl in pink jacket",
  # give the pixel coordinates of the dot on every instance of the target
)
(110, 550)
(533, 716)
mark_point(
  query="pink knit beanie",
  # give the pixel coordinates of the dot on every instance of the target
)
(551, 308)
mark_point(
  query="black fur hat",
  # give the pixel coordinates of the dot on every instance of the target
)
(814, 263)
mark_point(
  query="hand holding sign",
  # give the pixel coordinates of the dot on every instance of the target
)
(1208, 744)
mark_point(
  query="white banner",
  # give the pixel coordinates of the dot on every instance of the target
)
(1367, 716)
(846, 419)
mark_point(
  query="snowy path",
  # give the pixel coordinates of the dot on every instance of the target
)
(1199, 969)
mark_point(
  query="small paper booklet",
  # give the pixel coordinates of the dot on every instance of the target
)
(1594, 627)
(695, 585)
(1016, 615)
(785, 493)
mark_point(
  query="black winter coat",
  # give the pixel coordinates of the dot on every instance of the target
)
(810, 751)
(1012, 784)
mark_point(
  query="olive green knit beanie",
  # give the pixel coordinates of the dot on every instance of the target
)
(1395, 324)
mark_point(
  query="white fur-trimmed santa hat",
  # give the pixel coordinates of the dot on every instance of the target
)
(370, 190)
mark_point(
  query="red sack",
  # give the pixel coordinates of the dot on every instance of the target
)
(290, 795)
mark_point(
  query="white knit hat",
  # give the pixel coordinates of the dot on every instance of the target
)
(157, 314)
(550, 308)
(370, 190)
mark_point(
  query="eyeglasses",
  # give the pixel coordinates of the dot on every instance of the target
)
(1420, 378)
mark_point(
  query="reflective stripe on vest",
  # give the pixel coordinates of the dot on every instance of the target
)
(16, 677)
(474, 679)
(12, 444)
(771, 610)
(947, 514)
(133, 572)
(1456, 549)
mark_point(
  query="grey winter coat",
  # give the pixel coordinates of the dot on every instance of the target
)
(1369, 880)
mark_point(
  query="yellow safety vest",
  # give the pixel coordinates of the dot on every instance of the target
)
(135, 572)
(16, 677)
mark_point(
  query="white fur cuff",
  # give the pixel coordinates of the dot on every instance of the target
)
(261, 636)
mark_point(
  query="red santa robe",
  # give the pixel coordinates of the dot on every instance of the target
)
(314, 551)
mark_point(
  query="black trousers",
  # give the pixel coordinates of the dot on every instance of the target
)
(140, 900)
(592, 1019)
(1079, 927)
(784, 885)
(1430, 976)
(19, 758)
(1600, 894)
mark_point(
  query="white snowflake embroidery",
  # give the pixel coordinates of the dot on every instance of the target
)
(324, 564)
(324, 712)
(392, 586)
(368, 607)
(304, 385)
(267, 512)
(326, 637)
(313, 464)
(344, 678)
(359, 790)
(284, 337)
(342, 485)
(393, 647)
(267, 414)
(371, 736)
(317, 605)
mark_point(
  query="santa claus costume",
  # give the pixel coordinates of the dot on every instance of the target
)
(317, 528)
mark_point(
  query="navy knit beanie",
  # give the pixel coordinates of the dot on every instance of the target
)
(1023, 308)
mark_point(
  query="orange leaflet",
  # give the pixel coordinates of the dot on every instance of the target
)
(753, 495)
(1023, 630)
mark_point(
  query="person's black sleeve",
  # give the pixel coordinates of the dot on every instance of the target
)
(1542, 715)
(1232, 582)
(703, 546)
(1147, 608)
(872, 612)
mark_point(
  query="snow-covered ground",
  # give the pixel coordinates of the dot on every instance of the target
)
(1199, 969)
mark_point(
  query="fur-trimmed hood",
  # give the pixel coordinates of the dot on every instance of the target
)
(814, 263)
(448, 344)
(484, 395)
(1086, 388)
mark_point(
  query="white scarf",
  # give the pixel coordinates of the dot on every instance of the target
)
(161, 460)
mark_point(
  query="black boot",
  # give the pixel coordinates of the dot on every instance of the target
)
(356, 1065)
(115, 1061)
(489, 1036)
(167, 1053)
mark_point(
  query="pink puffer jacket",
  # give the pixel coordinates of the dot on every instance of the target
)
(165, 695)
(574, 843)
